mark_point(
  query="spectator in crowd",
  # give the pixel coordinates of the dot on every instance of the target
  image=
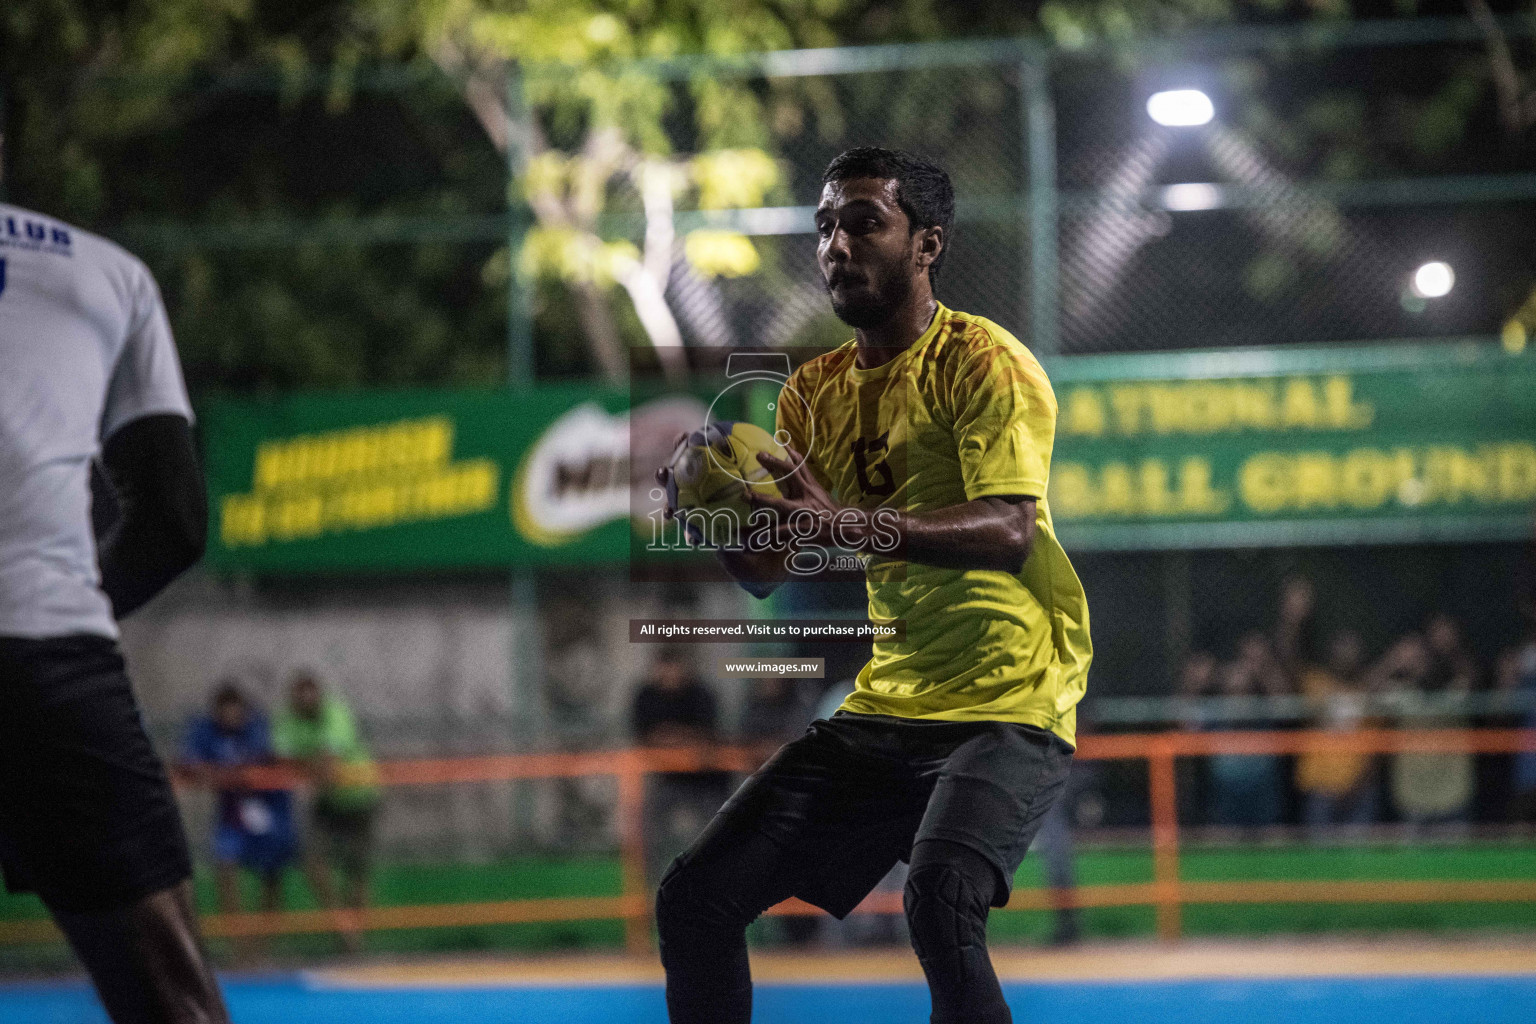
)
(253, 828)
(317, 731)
(1198, 674)
(1425, 677)
(1246, 790)
(1517, 675)
(1268, 675)
(1054, 845)
(1295, 634)
(1451, 669)
(676, 708)
(1196, 679)
(1338, 788)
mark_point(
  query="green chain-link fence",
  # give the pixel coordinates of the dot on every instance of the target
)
(1333, 168)
(1339, 159)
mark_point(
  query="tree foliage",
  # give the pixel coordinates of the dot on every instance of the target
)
(267, 130)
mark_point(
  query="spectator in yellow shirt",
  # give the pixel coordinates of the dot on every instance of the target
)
(1338, 788)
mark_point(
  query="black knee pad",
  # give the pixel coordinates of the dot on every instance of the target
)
(697, 904)
(949, 892)
(946, 911)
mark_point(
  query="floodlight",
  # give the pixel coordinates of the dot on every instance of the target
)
(1180, 108)
(1193, 195)
(1433, 280)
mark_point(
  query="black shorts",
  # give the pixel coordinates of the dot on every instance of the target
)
(852, 796)
(88, 820)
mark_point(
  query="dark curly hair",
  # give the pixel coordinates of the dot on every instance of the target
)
(923, 189)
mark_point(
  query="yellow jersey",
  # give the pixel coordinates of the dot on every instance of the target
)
(965, 412)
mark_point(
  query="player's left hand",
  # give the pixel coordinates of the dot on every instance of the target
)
(804, 500)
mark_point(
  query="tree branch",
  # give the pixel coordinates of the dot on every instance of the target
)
(604, 155)
(596, 315)
(1517, 107)
(655, 316)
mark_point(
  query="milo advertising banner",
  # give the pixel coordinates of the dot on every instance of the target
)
(1322, 445)
(418, 479)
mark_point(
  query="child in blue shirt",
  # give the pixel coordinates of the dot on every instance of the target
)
(254, 828)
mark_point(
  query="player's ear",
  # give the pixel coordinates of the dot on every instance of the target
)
(930, 242)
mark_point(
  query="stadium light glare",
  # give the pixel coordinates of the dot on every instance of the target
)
(1434, 280)
(1191, 196)
(1180, 108)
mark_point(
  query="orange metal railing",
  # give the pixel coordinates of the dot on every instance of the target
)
(1167, 892)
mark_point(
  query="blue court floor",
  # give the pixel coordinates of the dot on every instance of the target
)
(1314, 1000)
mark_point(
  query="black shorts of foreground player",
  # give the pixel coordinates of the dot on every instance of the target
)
(828, 816)
(89, 823)
(957, 737)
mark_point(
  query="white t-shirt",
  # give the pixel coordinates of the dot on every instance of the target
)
(85, 348)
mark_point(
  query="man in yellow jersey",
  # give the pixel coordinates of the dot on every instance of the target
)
(932, 428)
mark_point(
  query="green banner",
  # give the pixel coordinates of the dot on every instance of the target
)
(1324, 445)
(1320, 445)
(434, 479)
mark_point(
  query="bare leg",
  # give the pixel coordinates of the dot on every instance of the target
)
(271, 903)
(318, 871)
(357, 888)
(147, 961)
(352, 851)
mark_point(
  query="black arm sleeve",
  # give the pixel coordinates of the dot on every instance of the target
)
(162, 521)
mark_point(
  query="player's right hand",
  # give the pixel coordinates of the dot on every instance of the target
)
(664, 478)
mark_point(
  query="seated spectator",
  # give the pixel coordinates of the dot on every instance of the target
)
(1424, 677)
(1338, 789)
(318, 732)
(253, 828)
(1247, 789)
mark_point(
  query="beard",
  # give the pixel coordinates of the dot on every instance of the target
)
(873, 306)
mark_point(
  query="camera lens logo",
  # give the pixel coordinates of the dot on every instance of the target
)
(747, 372)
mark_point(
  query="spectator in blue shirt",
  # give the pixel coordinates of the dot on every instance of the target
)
(254, 828)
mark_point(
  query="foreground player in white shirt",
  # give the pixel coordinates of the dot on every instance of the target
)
(87, 817)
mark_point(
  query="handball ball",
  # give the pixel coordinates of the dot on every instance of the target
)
(709, 467)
